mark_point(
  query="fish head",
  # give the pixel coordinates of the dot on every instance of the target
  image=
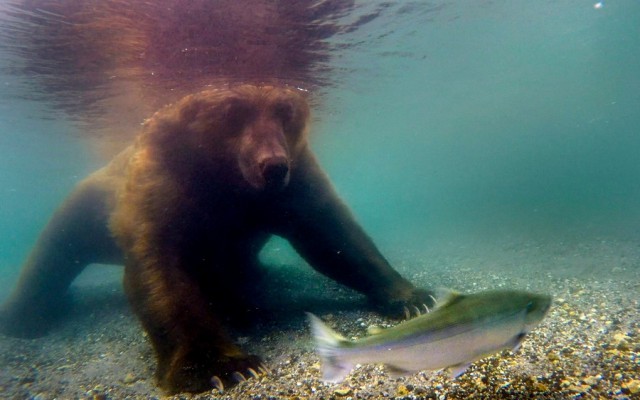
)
(533, 307)
(536, 307)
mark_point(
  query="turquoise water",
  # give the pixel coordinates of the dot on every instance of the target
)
(40, 162)
(512, 116)
(462, 119)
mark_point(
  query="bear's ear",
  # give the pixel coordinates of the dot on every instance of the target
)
(206, 115)
(173, 121)
(191, 110)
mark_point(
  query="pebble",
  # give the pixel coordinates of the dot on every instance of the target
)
(402, 391)
(130, 378)
(343, 392)
(479, 384)
(420, 390)
(540, 387)
(632, 386)
(579, 388)
(621, 341)
(593, 380)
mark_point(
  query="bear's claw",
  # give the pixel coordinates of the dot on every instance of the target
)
(409, 305)
(217, 384)
(238, 377)
(417, 310)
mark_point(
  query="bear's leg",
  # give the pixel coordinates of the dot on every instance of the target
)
(243, 294)
(324, 231)
(76, 236)
(185, 329)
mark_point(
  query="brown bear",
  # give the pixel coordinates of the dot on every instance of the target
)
(187, 208)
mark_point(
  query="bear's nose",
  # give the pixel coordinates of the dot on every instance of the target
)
(275, 172)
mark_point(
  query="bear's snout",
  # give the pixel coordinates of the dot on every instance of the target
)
(275, 172)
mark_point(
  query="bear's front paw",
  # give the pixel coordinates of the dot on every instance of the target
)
(199, 374)
(407, 304)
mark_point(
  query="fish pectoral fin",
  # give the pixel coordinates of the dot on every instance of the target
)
(396, 372)
(515, 343)
(334, 371)
(457, 370)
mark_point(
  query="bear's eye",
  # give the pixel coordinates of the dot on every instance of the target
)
(236, 114)
(283, 111)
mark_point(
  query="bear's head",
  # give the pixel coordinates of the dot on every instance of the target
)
(247, 133)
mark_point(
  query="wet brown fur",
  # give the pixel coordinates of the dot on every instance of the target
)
(188, 206)
(189, 222)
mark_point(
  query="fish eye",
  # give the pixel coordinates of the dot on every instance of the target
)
(529, 306)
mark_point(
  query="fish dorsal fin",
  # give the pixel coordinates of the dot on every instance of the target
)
(445, 297)
(323, 333)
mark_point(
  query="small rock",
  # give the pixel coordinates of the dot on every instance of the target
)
(342, 392)
(402, 391)
(130, 378)
(540, 387)
(620, 341)
(593, 380)
(420, 390)
(479, 384)
(620, 337)
(579, 388)
(632, 386)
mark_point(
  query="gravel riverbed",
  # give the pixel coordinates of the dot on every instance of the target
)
(587, 347)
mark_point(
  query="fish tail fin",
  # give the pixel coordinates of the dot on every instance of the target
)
(328, 344)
